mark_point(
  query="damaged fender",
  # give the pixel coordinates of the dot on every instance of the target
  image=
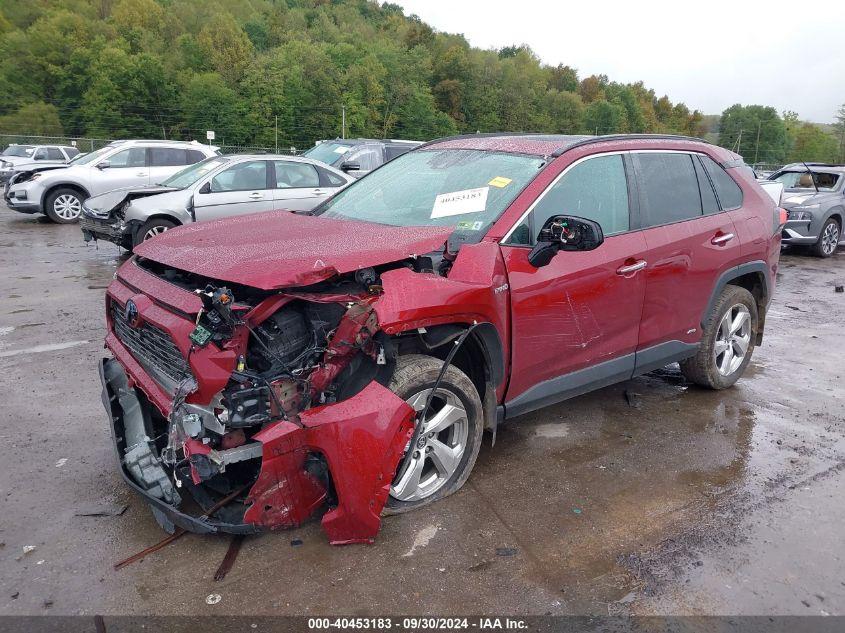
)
(362, 439)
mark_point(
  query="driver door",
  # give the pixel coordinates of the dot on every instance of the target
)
(126, 168)
(240, 189)
(575, 321)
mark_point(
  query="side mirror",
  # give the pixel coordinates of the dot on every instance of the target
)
(206, 188)
(565, 233)
(103, 165)
(347, 166)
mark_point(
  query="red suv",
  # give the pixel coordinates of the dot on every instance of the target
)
(271, 366)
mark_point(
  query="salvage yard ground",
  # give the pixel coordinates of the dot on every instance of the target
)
(647, 497)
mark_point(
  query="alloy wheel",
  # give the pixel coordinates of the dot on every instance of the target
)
(67, 206)
(153, 231)
(732, 339)
(830, 238)
(435, 457)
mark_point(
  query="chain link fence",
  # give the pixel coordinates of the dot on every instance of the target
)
(90, 144)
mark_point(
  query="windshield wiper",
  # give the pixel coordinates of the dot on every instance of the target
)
(812, 176)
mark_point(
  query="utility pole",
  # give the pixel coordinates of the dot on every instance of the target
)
(343, 121)
(277, 133)
(757, 145)
(738, 141)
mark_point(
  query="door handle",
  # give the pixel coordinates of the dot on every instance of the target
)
(141, 174)
(318, 192)
(632, 268)
(722, 238)
(256, 196)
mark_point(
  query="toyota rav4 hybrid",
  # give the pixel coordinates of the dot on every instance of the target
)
(270, 367)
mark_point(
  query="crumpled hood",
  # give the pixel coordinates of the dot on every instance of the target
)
(103, 204)
(279, 249)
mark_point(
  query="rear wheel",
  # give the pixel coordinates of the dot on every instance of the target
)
(440, 461)
(727, 343)
(63, 206)
(828, 239)
(151, 228)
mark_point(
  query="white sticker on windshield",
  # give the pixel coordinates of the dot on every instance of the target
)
(460, 202)
(342, 149)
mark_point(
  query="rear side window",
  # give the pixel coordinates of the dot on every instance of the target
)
(195, 156)
(71, 151)
(668, 188)
(392, 151)
(330, 177)
(729, 193)
(595, 189)
(167, 157)
(54, 153)
(708, 197)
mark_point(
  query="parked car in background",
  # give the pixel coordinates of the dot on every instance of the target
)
(18, 157)
(814, 197)
(59, 193)
(217, 187)
(359, 156)
(352, 357)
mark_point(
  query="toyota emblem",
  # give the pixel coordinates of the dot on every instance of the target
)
(130, 313)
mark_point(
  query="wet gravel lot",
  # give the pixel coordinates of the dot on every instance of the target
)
(646, 497)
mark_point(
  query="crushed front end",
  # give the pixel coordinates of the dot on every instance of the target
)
(274, 402)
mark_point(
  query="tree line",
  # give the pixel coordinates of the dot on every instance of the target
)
(279, 72)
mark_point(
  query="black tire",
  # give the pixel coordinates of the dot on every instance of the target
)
(703, 368)
(415, 374)
(64, 205)
(824, 248)
(150, 228)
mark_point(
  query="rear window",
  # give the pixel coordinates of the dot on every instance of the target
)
(71, 152)
(668, 188)
(729, 193)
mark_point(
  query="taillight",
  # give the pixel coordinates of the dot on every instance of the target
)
(781, 216)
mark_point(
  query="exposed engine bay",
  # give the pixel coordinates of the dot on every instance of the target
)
(267, 432)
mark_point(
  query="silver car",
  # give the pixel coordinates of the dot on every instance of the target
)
(215, 188)
(16, 158)
(59, 193)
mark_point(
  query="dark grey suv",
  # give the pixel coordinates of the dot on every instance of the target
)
(814, 197)
(359, 156)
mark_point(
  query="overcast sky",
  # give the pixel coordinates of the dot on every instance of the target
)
(790, 55)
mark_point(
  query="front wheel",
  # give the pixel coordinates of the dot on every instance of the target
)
(63, 206)
(828, 239)
(151, 228)
(727, 342)
(440, 461)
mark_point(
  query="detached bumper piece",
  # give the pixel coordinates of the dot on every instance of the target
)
(359, 440)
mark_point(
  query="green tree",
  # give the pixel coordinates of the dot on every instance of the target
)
(812, 144)
(33, 118)
(605, 117)
(756, 132)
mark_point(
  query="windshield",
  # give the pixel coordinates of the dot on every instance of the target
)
(464, 189)
(93, 157)
(802, 180)
(328, 152)
(19, 150)
(191, 174)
